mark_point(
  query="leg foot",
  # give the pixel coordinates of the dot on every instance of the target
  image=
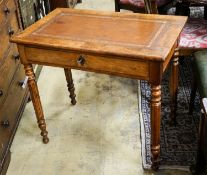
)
(44, 133)
(34, 94)
(45, 140)
(70, 85)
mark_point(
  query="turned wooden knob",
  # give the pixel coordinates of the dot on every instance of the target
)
(6, 10)
(81, 60)
(1, 93)
(5, 124)
(21, 83)
(16, 56)
(10, 31)
(72, 3)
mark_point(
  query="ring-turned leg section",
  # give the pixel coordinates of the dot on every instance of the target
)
(155, 125)
(71, 88)
(34, 93)
(174, 87)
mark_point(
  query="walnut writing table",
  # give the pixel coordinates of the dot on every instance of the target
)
(125, 44)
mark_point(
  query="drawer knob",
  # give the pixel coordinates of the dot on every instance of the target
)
(5, 123)
(6, 10)
(10, 31)
(21, 83)
(16, 56)
(81, 60)
(1, 93)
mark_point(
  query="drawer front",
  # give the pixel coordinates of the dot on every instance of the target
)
(7, 70)
(7, 10)
(3, 12)
(109, 65)
(10, 109)
(9, 29)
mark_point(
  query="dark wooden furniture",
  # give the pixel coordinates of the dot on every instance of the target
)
(183, 6)
(103, 45)
(160, 6)
(200, 77)
(200, 83)
(200, 168)
(13, 90)
(63, 3)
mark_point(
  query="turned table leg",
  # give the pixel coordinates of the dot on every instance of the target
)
(174, 87)
(155, 125)
(34, 93)
(71, 88)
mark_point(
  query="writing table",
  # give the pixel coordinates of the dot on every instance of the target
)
(124, 44)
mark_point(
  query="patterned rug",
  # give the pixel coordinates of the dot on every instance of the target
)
(178, 143)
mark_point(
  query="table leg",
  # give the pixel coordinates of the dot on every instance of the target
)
(182, 9)
(205, 12)
(155, 125)
(154, 9)
(34, 93)
(71, 88)
(174, 87)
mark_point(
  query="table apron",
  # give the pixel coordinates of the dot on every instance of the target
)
(122, 66)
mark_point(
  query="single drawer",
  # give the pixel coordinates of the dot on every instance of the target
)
(10, 28)
(3, 12)
(10, 109)
(7, 70)
(7, 10)
(110, 65)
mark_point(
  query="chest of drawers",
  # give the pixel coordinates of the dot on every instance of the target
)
(13, 92)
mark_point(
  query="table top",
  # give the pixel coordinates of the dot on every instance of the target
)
(130, 35)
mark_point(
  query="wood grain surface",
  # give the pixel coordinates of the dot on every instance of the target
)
(132, 35)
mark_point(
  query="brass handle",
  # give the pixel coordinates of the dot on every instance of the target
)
(6, 10)
(5, 123)
(16, 56)
(1, 93)
(81, 60)
(10, 31)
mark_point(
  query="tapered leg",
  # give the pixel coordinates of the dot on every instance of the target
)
(70, 85)
(34, 93)
(174, 87)
(155, 125)
(117, 7)
(154, 7)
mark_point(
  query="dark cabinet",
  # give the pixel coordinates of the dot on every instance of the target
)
(13, 89)
(63, 3)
